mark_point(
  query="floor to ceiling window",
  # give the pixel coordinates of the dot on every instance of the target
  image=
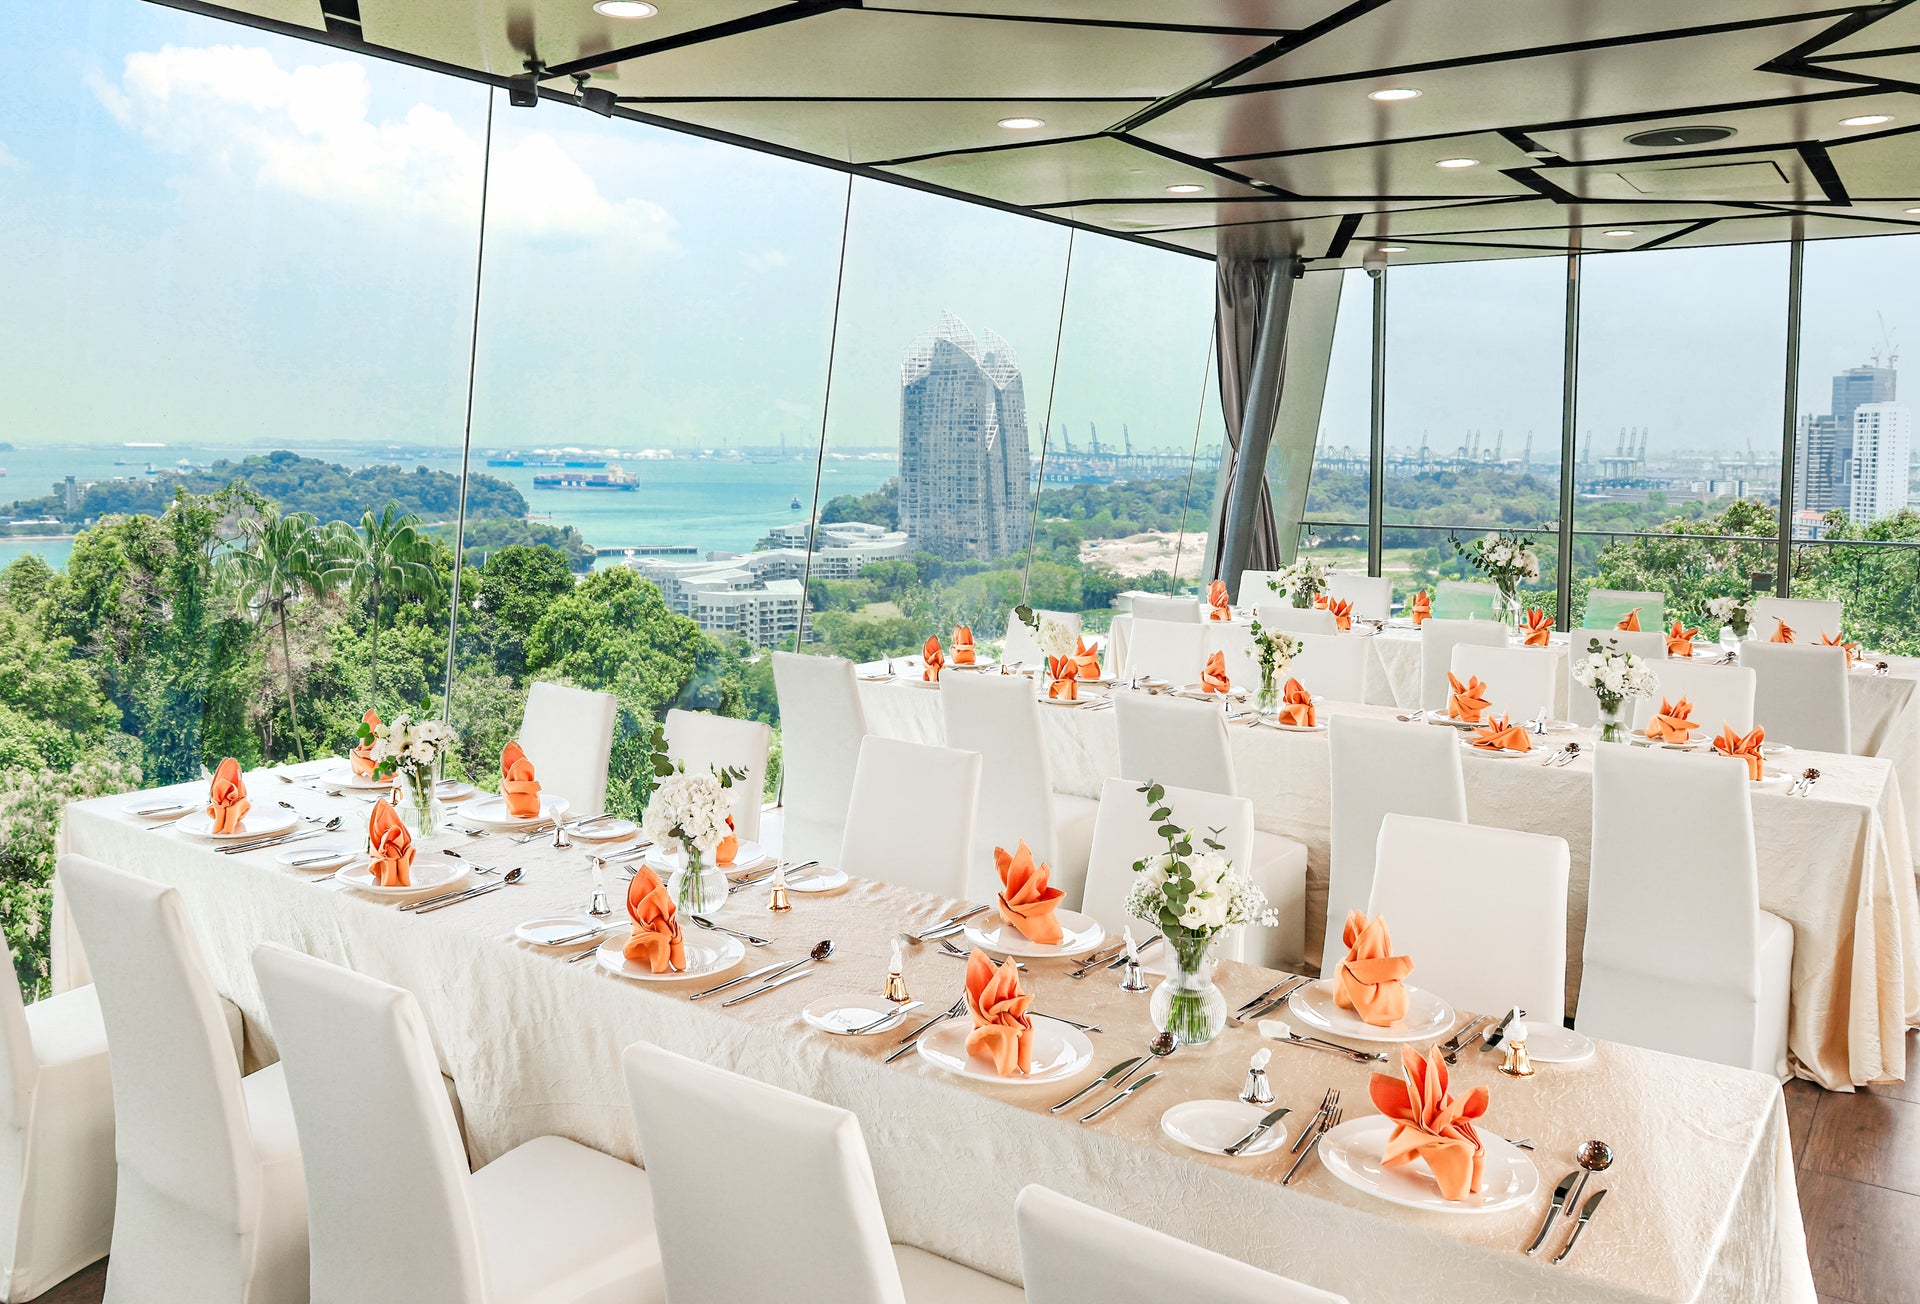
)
(1335, 525)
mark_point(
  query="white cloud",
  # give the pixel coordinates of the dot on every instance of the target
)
(9, 159)
(764, 260)
(308, 131)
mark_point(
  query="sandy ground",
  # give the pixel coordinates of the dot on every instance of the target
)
(1140, 555)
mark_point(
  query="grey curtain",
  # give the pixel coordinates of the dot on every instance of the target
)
(1250, 310)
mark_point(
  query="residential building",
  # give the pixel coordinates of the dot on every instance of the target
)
(1882, 460)
(963, 445)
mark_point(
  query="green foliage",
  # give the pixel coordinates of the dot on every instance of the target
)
(880, 507)
(486, 537)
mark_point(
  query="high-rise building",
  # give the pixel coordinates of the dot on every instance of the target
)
(963, 445)
(1882, 460)
(1858, 385)
(1823, 467)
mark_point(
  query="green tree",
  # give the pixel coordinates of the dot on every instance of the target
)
(277, 562)
(386, 557)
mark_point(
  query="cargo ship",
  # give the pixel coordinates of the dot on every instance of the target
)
(602, 479)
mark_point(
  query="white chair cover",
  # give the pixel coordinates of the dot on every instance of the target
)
(1800, 694)
(1234, 641)
(701, 740)
(821, 726)
(1438, 638)
(568, 735)
(1122, 834)
(1073, 1253)
(1808, 618)
(1255, 586)
(1720, 694)
(1466, 600)
(1519, 680)
(1679, 956)
(1165, 649)
(912, 815)
(1153, 606)
(1483, 911)
(1278, 613)
(211, 1206)
(1608, 607)
(1378, 768)
(1371, 595)
(1583, 707)
(1021, 647)
(1333, 666)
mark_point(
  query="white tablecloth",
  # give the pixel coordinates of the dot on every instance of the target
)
(1703, 1204)
(1836, 865)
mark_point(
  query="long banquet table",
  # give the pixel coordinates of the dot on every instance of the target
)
(1703, 1204)
(1836, 864)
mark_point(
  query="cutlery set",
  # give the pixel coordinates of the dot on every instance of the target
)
(954, 1011)
(762, 877)
(1803, 785)
(1563, 756)
(1325, 1122)
(946, 927)
(1269, 1000)
(1594, 1157)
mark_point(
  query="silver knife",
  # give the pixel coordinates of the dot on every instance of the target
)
(1277, 1001)
(1555, 1207)
(1499, 1030)
(761, 972)
(1119, 1070)
(1586, 1212)
(1451, 1052)
(767, 986)
(464, 896)
(1268, 994)
(1120, 961)
(1098, 1110)
(951, 923)
(261, 844)
(898, 1012)
(1258, 1130)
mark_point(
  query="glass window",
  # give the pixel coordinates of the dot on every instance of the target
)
(1336, 516)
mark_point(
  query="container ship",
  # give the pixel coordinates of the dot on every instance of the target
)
(611, 478)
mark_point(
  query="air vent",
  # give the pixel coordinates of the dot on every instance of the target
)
(1761, 180)
(1678, 137)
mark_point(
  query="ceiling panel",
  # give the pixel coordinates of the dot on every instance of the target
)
(1403, 169)
(1765, 127)
(1101, 168)
(1180, 214)
(1881, 168)
(1781, 177)
(1896, 27)
(497, 36)
(1264, 15)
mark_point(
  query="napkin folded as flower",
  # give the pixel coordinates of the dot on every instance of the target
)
(1502, 735)
(1214, 678)
(1002, 1029)
(1782, 631)
(1539, 628)
(390, 846)
(1840, 640)
(930, 655)
(1467, 702)
(1731, 743)
(1630, 621)
(1339, 608)
(656, 940)
(227, 802)
(1065, 674)
(1421, 608)
(1027, 898)
(729, 847)
(1680, 640)
(361, 757)
(1432, 1124)
(1371, 980)
(1218, 605)
(1086, 660)
(963, 654)
(1673, 723)
(518, 786)
(1296, 705)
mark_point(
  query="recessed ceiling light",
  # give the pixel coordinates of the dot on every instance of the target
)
(1022, 124)
(624, 9)
(1185, 188)
(1619, 235)
(1867, 120)
(1914, 210)
(1393, 93)
(1458, 163)
(1393, 249)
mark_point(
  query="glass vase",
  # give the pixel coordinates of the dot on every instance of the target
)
(419, 805)
(1612, 727)
(1513, 612)
(1267, 700)
(1187, 1004)
(697, 887)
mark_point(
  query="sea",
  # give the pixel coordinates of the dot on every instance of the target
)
(719, 502)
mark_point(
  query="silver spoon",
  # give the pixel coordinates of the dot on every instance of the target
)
(1593, 1157)
(329, 825)
(748, 938)
(478, 869)
(1163, 1045)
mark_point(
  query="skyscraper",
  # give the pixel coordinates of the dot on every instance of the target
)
(1823, 466)
(963, 445)
(1882, 460)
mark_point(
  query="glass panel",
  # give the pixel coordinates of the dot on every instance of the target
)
(1879, 583)
(1423, 557)
(1336, 517)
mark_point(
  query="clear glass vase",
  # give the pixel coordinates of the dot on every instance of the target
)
(419, 805)
(1267, 700)
(697, 887)
(1612, 726)
(1513, 612)
(1187, 1004)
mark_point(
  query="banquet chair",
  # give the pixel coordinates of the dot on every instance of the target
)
(1153, 606)
(1166, 649)
(1122, 834)
(1483, 911)
(56, 1137)
(1438, 638)
(395, 1213)
(1583, 708)
(1519, 680)
(568, 735)
(1020, 646)
(701, 740)
(910, 820)
(1073, 1253)
(1183, 744)
(1720, 694)
(1608, 607)
(1331, 666)
(1276, 612)
(1809, 618)
(211, 1200)
(1465, 600)
(703, 1130)
(1255, 587)
(1378, 768)
(1681, 962)
(1234, 641)
(1800, 694)
(821, 726)
(999, 717)
(1371, 595)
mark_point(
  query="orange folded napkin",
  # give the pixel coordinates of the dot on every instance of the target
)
(1782, 631)
(1086, 659)
(1421, 608)
(1341, 609)
(1840, 640)
(1630, 621)
(729, 846)
(1214, 678)
(1370, 981)
(518, 788)
(1674, 723)
(1680, 640)
(1296, 705)
(1502, 735)
(390, 846)
(361, 757)
(1002, 1030)
(1027, 898)
(962, 645)
(930, 654)
(1219, 608)
(1065, 672)
(227, 802)
(1730, 743)
(1539, 628)
(1430, 1123)
(656, 940)
(1467, 701)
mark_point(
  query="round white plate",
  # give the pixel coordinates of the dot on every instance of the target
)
(548, 930)
(1450, 722)
(453, 790)
(492, 812)
(1774, 781)
(1059, 1053)
(254, 824)
(1494, 751)
(303, 856)
(605, 831)
(162, 808)
(340, 774)
(1063, 701)
(817, 880)
(1210, 1126)
(1079, 934)
(1693, 746)
(1352, 1151)
(1775, 749)
(706, 958)
(427, 875)
(1552, 1044)
(1295, 728)
(1427, 1017)
(1198, 694)
(841, 1014)
(747, 857)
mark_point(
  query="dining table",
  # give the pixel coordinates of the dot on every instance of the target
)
(1702, 1202)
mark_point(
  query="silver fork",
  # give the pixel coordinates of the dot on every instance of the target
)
(1328, 1121)
(953, 1011)
(949, 949)
(1329, 1101)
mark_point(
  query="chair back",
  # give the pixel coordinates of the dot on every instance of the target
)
(911, 817)
(1371, 595)
(1275, 612)
(1021, 647)
(1164, 649)
(1519, 680)
(1482, 911)
(701, 740)
(388, 1208)
(1465, 600)
(1800, 694)
(1438, 638)
(1122, 834)
(700, 1129)
(1808, 618)
(1583, 708)
(1154, 606)
(19, 1066)
(1608, 607)
(1174, 741)
(999, 717)
(568, 735)
(821, 727)
(1255, 587)
(1333, 666)
(1233, 640)
(1719, 694)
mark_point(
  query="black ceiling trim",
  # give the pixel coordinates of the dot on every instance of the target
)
(1681, 234)
(1756, 151)
(1198, 29)
(885, 99)
(1815, 156)
(1002, 148)
(1851, 215)
(342, 18)
(1895, 52)
(1530, 178)
(1521, 141)
(1343, 235)
(794, 11)
(1857, 21)
(1171, 154)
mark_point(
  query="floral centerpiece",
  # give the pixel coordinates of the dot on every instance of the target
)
(1616, 677)
(1734, 612)
(1505, 559)
(1057, 642)
(1302, 581)
(1276, 650)
(413, 750)
(687, 815)
(1191, 897)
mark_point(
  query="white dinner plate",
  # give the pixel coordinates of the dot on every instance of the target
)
(163, 808)
(1352, 1151)
(340, 774)
(1549, 1043)
(605, 830)
(492, 812)
(1427, 1015)
(450, 791)
(706, 958)
(1775, 749)
(1771, 781)
(427, 874)
(255, 823)
(840, 1014)
(1059, 1052)
(1079, 934)
(816, 880)
(1441, 718)
(552, 930)
(1693, 746)
(1064, 701)
(748, 856)
(1495, 751)
(1295, 728)
(1194, 692)
(1210, 1126)
(304, 856)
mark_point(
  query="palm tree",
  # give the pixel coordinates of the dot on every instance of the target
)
(387, 556)
(276, 561)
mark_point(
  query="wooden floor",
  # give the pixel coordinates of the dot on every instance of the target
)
(1858, 1160)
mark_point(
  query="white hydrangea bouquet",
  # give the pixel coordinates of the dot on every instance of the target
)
(1508, 560)
(688, 812)
(413, 750)
(1302, 581)
(1276, 649)
(1191, 896)
(1733, 612)
(1616, 677)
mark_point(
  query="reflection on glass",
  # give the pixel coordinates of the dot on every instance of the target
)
(1338, 491)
